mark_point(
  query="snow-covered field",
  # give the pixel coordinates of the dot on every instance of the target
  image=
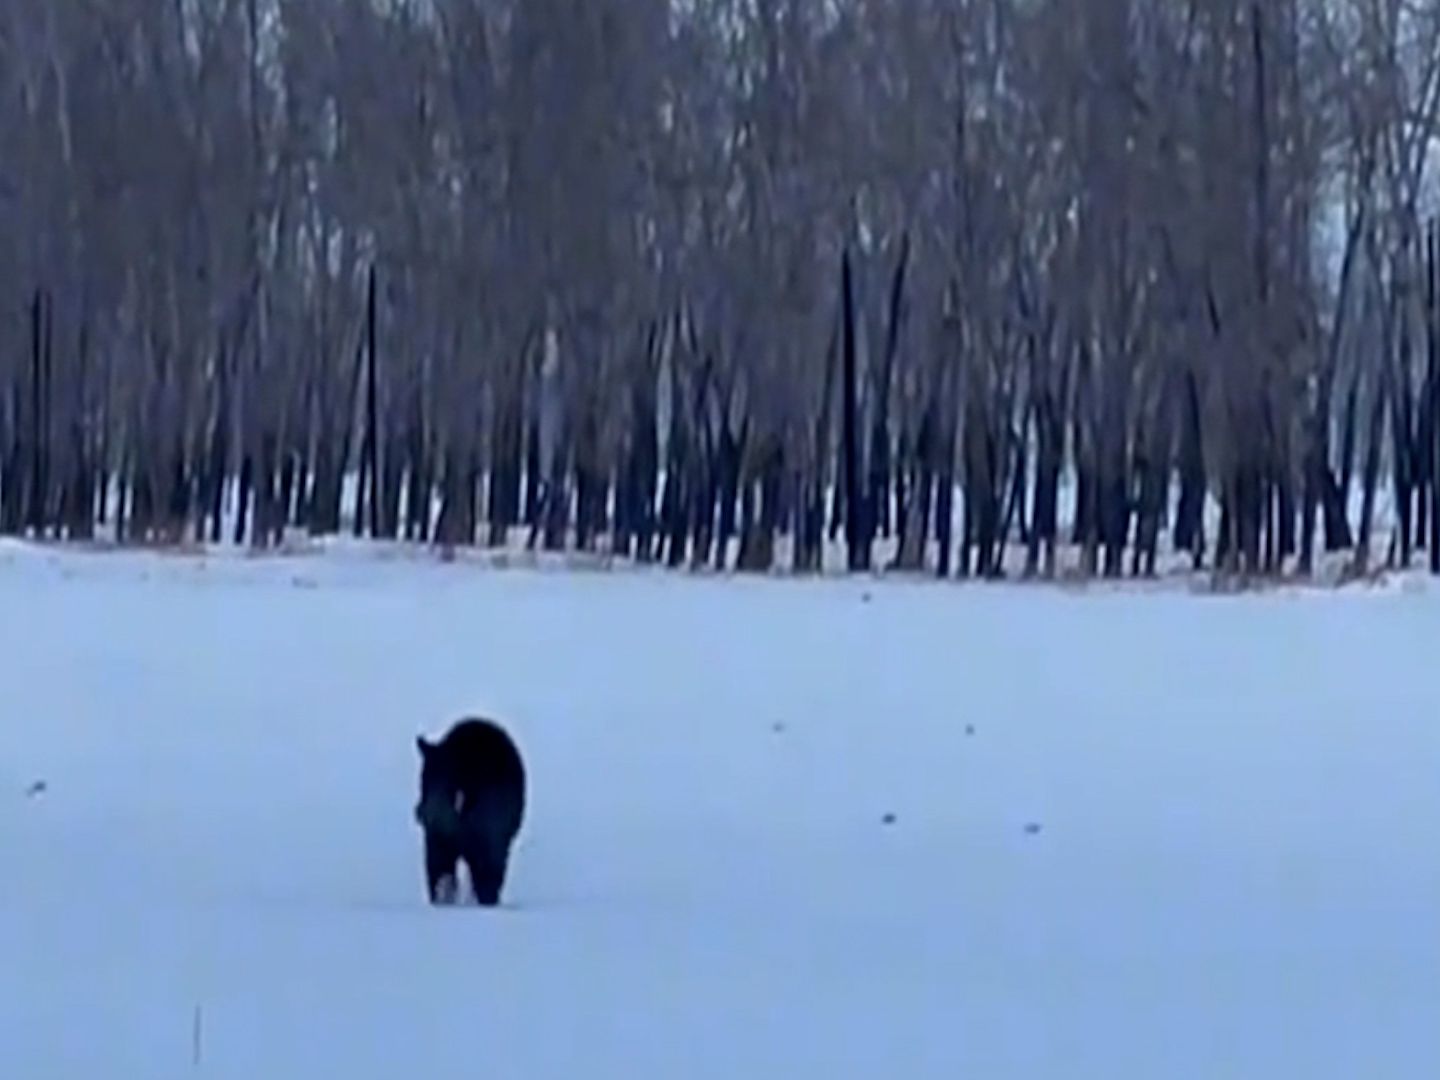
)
(1236, 870)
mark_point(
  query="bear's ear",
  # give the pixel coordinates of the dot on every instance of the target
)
(423, 746)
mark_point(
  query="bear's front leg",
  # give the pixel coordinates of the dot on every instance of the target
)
(440, 870)
(444, 890)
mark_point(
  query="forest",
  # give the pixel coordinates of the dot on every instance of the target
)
(960, 287)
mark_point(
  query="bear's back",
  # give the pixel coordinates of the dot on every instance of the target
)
(481, 754)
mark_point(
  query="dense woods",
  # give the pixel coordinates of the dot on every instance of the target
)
(971, 286)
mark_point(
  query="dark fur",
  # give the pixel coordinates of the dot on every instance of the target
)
(472, 801)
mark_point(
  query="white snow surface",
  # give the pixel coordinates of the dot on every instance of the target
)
(1236, 871)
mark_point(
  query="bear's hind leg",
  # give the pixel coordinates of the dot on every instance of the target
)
(487, 877)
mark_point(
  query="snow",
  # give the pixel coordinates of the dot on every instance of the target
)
(1236, 871)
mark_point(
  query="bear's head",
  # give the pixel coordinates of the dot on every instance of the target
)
(441, 802)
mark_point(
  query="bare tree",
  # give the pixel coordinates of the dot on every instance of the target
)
(1000, 286)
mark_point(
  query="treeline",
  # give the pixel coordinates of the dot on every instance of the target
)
(682, 280)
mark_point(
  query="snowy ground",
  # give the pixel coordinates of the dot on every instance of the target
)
(1236, 872)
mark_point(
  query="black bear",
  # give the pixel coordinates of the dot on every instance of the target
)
(472, 800)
